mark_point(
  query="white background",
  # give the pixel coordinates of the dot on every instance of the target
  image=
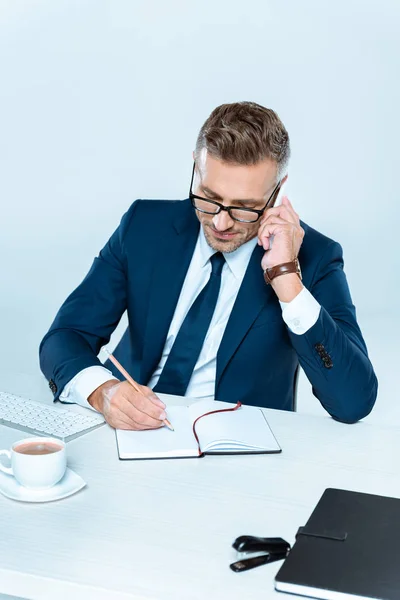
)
(101, 103)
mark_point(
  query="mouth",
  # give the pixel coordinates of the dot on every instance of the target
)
(223, 235)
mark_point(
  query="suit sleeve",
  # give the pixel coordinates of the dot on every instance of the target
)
(332, 352)
(89, 315)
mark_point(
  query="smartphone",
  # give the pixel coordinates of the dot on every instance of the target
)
(281, 193)
(278, 202)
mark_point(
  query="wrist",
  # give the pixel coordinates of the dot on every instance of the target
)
(287, 286)
(285, 279)
(96, 397)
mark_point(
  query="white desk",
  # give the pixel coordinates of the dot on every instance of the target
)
(162, 530)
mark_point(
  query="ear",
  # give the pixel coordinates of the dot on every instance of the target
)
(193, 156)
(284, 180)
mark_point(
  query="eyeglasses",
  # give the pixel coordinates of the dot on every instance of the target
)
(243, 215)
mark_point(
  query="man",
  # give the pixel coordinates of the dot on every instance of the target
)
(216, 301)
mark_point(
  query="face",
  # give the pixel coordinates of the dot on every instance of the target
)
(232, 185)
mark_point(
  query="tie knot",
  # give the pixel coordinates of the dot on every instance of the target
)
(217, 262)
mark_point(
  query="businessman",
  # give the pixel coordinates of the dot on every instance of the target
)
(226, 292)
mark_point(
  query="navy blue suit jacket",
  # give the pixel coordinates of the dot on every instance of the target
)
(142, 268)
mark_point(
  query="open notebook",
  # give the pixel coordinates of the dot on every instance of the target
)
(244, 430)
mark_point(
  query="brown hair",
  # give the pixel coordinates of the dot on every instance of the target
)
(245, 133)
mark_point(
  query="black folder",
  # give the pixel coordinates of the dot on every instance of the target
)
(349, 548)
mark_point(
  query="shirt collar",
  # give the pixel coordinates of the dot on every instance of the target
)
(237, 261)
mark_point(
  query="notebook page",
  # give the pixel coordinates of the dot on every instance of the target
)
(160, 443)
(243, 430)
(204, 406)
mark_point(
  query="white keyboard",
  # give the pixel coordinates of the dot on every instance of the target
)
(41, 419)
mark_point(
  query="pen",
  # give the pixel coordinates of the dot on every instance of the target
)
(131, 381)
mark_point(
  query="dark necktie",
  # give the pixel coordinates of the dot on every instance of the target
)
(178, 369)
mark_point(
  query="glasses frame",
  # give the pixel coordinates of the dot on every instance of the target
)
(228, 209)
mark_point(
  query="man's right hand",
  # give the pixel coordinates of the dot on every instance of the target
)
(125, 408)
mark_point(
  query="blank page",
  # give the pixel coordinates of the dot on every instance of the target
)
(160, 443)
(243, 430)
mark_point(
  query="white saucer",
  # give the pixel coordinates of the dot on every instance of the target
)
(69, 484)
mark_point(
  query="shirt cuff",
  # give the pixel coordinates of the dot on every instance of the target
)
(301, 313)
(78, 390)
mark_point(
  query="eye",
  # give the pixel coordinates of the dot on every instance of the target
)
(209, 196)
(245, 205)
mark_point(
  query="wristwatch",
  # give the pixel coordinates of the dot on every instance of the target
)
(289, 267)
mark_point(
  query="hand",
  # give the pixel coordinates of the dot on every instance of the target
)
(125, 408)
(283, 223)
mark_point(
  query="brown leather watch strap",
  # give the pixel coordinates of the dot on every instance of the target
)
(289, 267)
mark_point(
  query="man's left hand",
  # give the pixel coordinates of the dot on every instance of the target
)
(283, 223)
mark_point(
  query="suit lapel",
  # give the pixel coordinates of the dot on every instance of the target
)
(253, 295)
(166, 286)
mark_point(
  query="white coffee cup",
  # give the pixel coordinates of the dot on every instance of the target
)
(37, 463)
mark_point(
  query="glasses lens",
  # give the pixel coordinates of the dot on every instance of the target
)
(246, 216)
(205, 206)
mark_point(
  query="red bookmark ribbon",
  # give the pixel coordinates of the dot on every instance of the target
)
(212, 412)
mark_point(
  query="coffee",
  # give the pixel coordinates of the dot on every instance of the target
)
(37, 463)
(37, 448)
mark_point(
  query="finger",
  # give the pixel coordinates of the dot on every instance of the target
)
(288, 205)
(286, 202)
(272, 226)
(285, 212)
(132, 404)
(152, 396)
(120, 415)
(143, 400)
(276, 219)
(141, 410)
(265, 232)
(119, 420)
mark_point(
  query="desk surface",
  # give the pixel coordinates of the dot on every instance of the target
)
(162, 530)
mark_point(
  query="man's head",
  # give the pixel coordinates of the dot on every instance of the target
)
(242, 153)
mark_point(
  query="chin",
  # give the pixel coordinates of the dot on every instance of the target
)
(223, 245)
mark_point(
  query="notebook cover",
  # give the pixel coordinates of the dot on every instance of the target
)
(365, 565)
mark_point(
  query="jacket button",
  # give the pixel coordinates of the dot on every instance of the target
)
(52, 386)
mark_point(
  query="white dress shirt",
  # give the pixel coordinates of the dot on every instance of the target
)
(300, 314)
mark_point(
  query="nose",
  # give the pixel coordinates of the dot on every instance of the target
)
(222, 221)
